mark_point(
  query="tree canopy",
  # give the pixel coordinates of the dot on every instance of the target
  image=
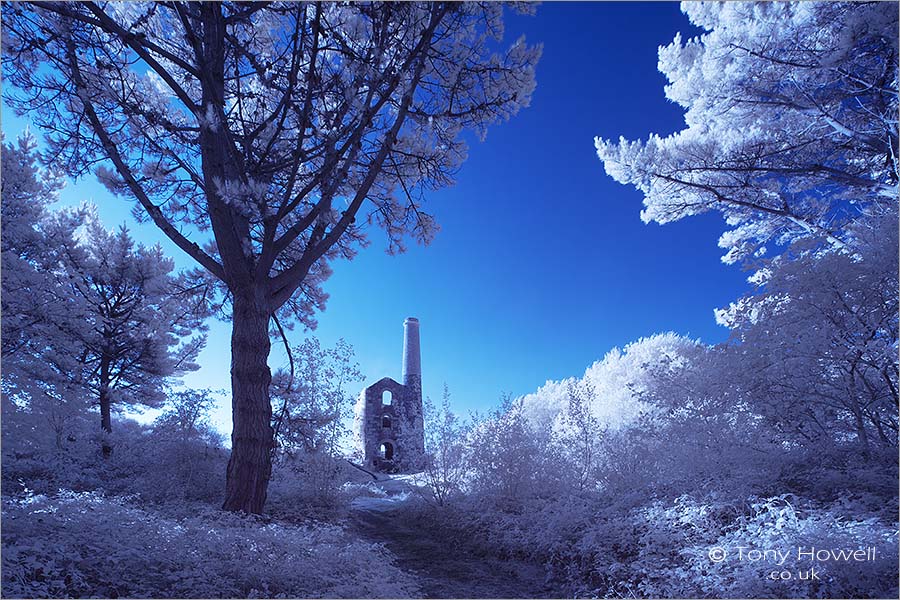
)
(791, 124)
(271, 125)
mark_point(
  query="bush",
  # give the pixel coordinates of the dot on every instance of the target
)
(775, 523)
(154, 466)
(83, 544)
(312, 483)
(608, 547)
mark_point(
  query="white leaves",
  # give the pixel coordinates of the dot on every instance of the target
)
(617, 381)
(316, 397)
(153, 553)
(785, 125)
(88, 294)
(39, 360)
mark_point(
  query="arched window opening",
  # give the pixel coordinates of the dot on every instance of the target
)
(386, 421)
(387, 451)
(386, 398)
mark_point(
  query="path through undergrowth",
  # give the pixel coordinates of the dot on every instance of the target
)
(445, 566)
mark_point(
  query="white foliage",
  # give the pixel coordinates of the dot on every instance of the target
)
(791, 128)
(617, 382)
(147, 553)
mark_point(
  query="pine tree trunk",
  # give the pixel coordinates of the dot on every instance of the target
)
(105, 405)
(250, 465)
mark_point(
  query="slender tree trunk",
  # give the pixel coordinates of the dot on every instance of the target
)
(882, 436)
(862, 436)
(105, 405)
(252, 437)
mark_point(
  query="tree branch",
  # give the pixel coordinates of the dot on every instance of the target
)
(191, 248)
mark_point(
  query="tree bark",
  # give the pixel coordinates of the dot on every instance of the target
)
(252, 436)
(105, 405)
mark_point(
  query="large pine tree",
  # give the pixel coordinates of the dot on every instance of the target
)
(287, 131)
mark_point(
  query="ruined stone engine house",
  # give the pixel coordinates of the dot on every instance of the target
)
(389, 421)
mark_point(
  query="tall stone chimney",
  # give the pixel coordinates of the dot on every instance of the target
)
(412, 360)
(413, 423)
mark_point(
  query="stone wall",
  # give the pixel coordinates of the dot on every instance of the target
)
(399, 425)
(405, 434)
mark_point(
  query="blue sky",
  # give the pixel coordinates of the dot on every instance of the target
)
(542, 264)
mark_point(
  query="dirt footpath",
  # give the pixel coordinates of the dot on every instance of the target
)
(445, 568)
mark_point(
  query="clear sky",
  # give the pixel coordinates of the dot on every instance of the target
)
(542, 264)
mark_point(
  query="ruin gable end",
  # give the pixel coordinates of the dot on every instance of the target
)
(390, 423)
